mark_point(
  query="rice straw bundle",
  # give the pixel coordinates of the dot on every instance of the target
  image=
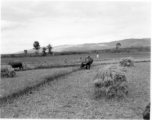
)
(7, 71)
(126, 62)
(111, 81)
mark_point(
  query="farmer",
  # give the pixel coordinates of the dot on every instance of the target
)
(65, 60)
(97, 56)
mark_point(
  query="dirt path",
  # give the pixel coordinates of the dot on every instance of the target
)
(72, 97)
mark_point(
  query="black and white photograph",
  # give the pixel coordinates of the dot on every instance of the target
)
(78, 59)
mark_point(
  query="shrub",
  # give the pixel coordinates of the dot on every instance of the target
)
(126, 62)
(110, 81)
(7, 71)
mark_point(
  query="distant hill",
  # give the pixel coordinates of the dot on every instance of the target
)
(99, 46)
(82, 47)
(131, 42)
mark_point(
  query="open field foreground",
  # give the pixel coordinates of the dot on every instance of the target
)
(27, 79)
(72, 96)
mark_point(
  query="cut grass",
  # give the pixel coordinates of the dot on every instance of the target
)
(70, 97)
(27, 80)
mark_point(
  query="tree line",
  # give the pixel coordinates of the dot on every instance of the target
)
(37, 47)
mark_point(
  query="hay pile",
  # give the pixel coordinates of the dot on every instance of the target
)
(7, 71)
(126, 62)
(146, 113)
(110, 81)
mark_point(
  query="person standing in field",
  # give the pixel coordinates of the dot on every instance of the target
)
(80, 59)
(97, 56)
(65, 60)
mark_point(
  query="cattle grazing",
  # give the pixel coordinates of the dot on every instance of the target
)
(16, 64)
(146, 113)
(87, 62)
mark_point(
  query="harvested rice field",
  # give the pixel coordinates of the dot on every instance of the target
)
(72, 96)
(24, 79)
(73, 58)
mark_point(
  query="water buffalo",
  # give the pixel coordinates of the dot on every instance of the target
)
(146, 113)
(16, 64)
(87, 62)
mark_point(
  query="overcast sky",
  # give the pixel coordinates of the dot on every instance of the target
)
(65, 22)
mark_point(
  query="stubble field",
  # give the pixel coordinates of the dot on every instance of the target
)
(73, 58)
(72, 96)
(30, 78)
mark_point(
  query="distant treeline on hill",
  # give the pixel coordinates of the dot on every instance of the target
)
(113, 50)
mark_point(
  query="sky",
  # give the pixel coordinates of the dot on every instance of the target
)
(71, 22)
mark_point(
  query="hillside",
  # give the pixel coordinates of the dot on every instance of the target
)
(99, 46)
(130, 42)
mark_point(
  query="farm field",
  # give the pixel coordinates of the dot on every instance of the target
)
(30, 63)
(73, 58)
(72, 96)
(25, 79)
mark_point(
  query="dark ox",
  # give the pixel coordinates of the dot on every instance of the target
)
(87, 62)
(146, 113)
(16, 64)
